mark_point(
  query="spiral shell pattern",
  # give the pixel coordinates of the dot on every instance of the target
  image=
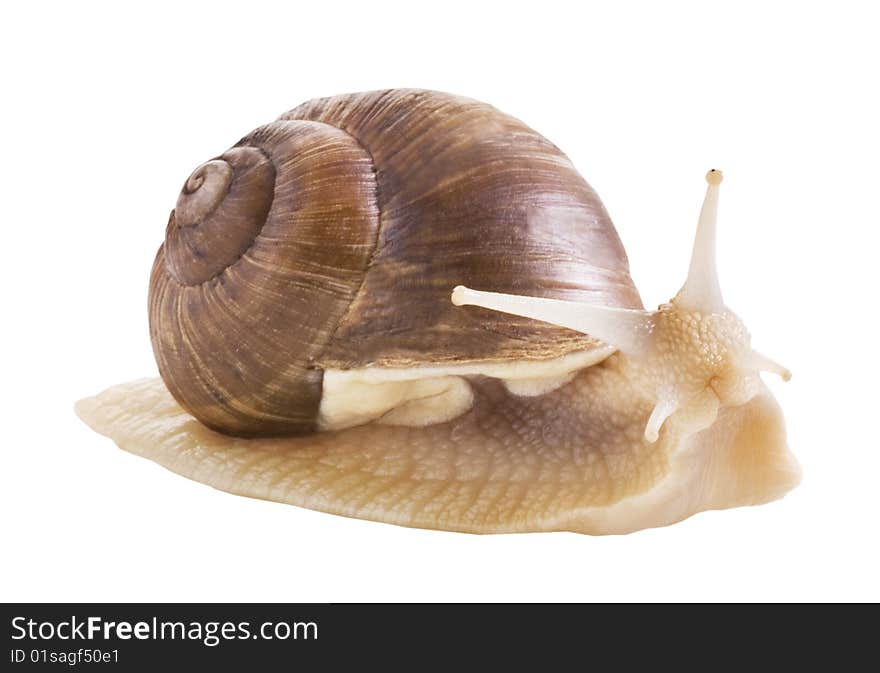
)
(263, 254)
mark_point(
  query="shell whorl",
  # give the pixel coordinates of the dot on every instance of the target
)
(220, 211)
(263, 254)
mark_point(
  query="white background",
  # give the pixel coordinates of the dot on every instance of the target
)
(107, 109)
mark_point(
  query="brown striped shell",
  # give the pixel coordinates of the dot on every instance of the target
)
(332, 238)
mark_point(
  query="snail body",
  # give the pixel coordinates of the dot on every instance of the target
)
(301, 319)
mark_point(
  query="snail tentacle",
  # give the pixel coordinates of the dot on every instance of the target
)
(702, 291)
(665, 407)
(761, 363)
(626, 329)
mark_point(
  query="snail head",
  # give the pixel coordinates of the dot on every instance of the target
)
(690, 350)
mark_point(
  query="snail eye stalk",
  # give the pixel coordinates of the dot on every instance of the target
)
(626, 329)
(702, 291)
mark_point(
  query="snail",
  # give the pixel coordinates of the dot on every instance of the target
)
(409, 307)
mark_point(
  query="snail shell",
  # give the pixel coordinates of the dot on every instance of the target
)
(302, 299)
(330, 239)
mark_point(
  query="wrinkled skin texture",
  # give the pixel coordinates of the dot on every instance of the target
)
(574, 459)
